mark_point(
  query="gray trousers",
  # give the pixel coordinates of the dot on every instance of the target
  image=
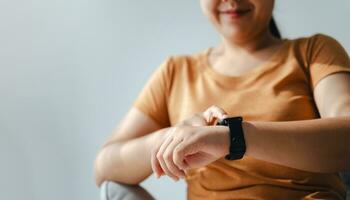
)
(117, 191)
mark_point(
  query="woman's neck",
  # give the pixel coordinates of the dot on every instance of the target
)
(231, 49)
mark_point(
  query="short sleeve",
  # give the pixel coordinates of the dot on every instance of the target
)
(326, 57)
(153, 98)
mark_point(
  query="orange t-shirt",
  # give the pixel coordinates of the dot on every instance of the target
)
(278, 90)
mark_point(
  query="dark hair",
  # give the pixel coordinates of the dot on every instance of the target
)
(274, 29)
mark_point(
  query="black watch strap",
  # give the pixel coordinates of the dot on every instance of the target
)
(237, 142)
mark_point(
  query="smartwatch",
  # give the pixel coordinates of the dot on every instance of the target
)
(237, 142)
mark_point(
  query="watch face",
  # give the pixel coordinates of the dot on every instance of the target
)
(222, 122)
(225, 122)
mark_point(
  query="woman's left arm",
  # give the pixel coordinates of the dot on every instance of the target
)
(318, 145)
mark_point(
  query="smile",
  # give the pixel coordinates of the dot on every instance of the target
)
(235, 13)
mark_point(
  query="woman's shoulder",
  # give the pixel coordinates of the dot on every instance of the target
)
(318, 40)
(311, 48)
(316, 36)
(189, 58)
(187, 61)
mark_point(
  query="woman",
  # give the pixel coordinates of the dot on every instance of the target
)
(293, 95)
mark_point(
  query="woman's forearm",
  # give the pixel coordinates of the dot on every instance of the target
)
(126, 161)
(319, 145)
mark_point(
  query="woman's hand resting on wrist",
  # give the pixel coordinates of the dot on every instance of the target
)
(192, 143)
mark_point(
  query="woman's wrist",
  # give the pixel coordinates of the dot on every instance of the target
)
(156, 136)
(223, 134)
(249, 128)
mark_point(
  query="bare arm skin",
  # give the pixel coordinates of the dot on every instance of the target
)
(320, 145)
(126, 156)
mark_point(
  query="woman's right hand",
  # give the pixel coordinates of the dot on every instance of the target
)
(206, 118)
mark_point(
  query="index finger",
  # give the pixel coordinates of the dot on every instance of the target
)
(214, 112)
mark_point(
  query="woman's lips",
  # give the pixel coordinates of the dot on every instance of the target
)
(235, 13)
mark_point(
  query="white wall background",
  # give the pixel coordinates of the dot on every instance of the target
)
(71, 69)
